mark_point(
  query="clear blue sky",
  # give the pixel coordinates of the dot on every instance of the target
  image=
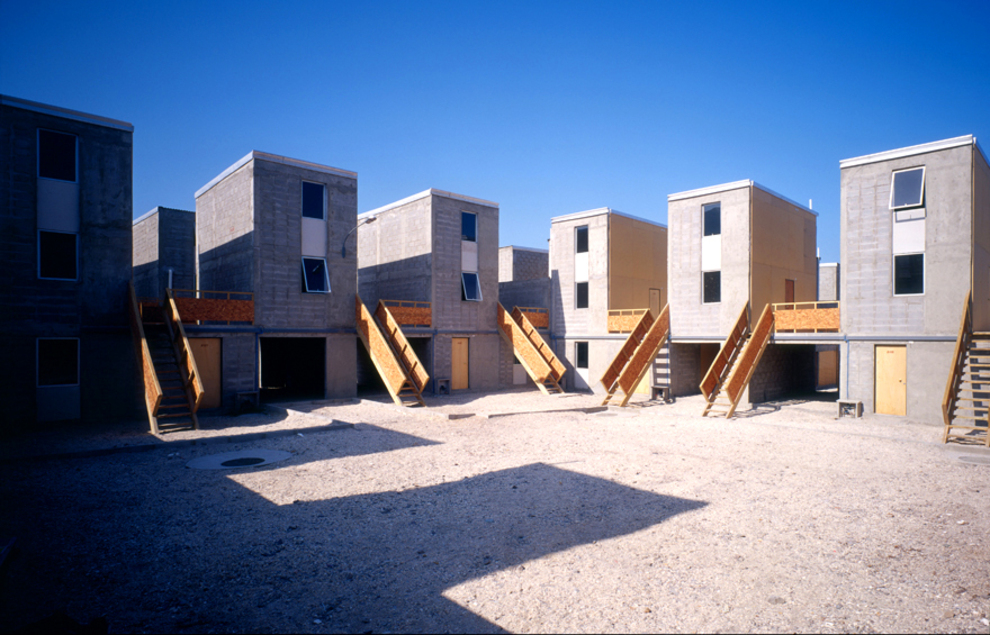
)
(545, 108)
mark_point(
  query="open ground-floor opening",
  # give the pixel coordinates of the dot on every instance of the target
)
(292, 368)
(369, 380)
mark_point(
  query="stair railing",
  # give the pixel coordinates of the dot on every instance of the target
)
(382, 356)
(525, 351)
(629, 347)
(958, 362)
(749, 357)
(184, 354)
(400, 345)
(720, 365)
(529, 329)
(645, 354)
(152, 389)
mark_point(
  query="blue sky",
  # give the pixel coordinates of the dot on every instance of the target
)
(545, 108)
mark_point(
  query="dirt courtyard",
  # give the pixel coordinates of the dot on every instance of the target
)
(467, 517)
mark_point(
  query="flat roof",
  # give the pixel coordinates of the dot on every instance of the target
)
(598, 212)
(909, 151)
(65, 113)
(274, 158)
(734, 185)
(518, 248)
(424, 194)
(156, 210)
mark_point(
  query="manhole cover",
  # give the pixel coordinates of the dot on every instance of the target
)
(979, 460)
(243, 458)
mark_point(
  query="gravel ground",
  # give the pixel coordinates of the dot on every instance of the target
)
(644, 519)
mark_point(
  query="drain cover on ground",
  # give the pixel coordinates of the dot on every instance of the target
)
(244, 458)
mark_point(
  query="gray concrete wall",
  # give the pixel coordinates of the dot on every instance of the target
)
(225, 233)
(565, 318)
(395, 254)
(145, 256)
(92, 308)
(164, 239)
(783, 369)
(689, 316)
(531, 293)
(516, 264)
(828, 281)
(981, 246)
(685, 364)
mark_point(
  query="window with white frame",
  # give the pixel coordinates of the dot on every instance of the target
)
(58, 255)
(581, 355)
(314, 200)
(316, 278)
(58, 361)
(57, 155)
(909, 274)
(907, 188)
(470, 287)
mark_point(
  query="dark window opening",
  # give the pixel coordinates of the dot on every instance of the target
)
(56, 155)
(712, 286)
(582, 295)
(713, 219)
(469, 227)
(581, 354)
(313, 200)
(909, 274)
(57, 255)
(907, 188)
(581, 235)
(315, 276)
(58, 362)
(470, 287)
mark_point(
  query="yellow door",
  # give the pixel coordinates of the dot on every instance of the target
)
(459, 363)
(206, 351)
(891, 380)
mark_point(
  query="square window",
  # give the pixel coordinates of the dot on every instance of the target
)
(469, 227)
(581, 237)
(58, 362)
(314, 200)
(470, 287)
(581, 299)
(712, 219)
(909, 274)
(316, 279)
(580, 354)
(57, 255)
(907, 188)
(56, 155)
(712, 283)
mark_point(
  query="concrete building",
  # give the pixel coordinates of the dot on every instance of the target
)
(604, 267)
(735, 246)
(915, 242)
(65, 231)
(164, 251)
(524, 281)
(275, 227)
(440, 250)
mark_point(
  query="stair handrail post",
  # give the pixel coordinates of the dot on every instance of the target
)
(182, 342)
(958, 360)
(152, 388)
(763, 330)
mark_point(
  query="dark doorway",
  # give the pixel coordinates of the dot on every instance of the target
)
(293, 368)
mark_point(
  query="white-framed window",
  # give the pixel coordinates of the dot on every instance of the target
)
(58, 255)
(314, 200)
(581, 239)
(907, 188)
(909, 274)
(470, 287)
(316, 278)
(711, 287)
(469, 227)
(712, 219)
(57, 155)
(58, 361)
(581, 355)
(581, 295)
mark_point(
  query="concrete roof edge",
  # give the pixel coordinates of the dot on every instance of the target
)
(233, 168)
(712, 189)
(784, 198)
(598, 212)
(157, 209)
(58, 111)
(539, 251)
(899, 153)
(424, 194)
(144, 216)
(273, 158)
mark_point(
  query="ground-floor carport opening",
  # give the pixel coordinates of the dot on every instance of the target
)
(293, 368)
(796, 371)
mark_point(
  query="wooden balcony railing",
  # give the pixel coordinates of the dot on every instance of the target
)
(537, 316)
(197, 305)
(624, 320)
(806, 317)
(410, 312)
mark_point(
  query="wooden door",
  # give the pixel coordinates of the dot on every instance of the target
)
(655, 302)
(459, 363)
(206, 351)
(891, 380)
(788, 291)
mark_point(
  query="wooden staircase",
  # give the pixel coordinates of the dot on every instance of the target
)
(966, 405)
(636, 356)
(173, 389)
(390, 352)
(532, 352)
(733, 367)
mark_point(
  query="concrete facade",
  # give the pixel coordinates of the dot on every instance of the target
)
(951, 228)
(828, 281)
(68, 352)
(626, 257)
(164, 243)
(252, 236)
(516, 264)
(413, 250)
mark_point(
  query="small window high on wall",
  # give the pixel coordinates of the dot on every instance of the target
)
(907, 188)
(581, 295)
(712, 283)
(57, 256)
(316, 279)
(909, 274)
(314, 200)
(712, 219)
(469, 227)
(56, 155)
(470, 287)
(581, 239)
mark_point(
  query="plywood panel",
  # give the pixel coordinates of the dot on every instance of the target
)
(808, 320)
(459, 363)
(215, 310)
(207, 351)
(891, 380)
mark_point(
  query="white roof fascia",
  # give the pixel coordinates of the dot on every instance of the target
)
(145, 216)
(424, 194)
(533, 249)
(735, 185)
(598, 212)
(65, 113)
(828, 264)
(273, 158)
(784, 198)
(900, 153)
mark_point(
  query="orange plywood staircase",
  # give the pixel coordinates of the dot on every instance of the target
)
(733, 367)
(636, 355)
(532, 352)
(397, 364)
(173, 389)
(966, 405)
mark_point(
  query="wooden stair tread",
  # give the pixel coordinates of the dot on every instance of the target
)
(969, 418)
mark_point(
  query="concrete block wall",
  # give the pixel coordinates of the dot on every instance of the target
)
(685, 362)
(164, 239)
(783, 369)
(828, 281)
(516, 264)
(395, 254)
(145, 255)
(225, 232)
(530, 293)
(565, 317)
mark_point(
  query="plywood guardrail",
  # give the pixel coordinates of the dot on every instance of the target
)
(720, 365)
(537, 316)
(624, 320)
(806, 317)
(227, 306)
(152, 388)
(410, 312)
